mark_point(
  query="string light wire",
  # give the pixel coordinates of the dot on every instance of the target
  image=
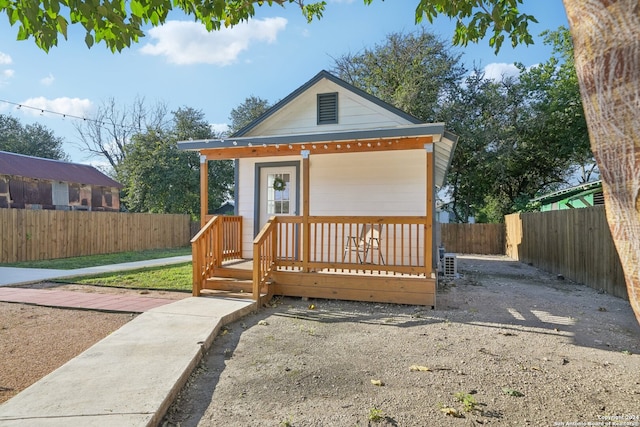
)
(65, 115)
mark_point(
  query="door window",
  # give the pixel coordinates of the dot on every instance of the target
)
(279, 194)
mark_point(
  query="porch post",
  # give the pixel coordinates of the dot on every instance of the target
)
(306, 230)
(428, 226)
(204, 190)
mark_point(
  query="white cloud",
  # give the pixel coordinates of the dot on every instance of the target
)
(497, 70)
(5, 59)
(69, 106)
(5, 76)
(219, 128)
(7, 73)
(47, 81)
(183, 42)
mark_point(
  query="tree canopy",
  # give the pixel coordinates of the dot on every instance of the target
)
(118, 24)
(32, 140)
(160, 178)
(245, 113)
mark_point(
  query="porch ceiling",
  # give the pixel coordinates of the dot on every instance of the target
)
(409, 137)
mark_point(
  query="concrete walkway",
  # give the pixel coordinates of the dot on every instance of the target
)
(24, 276)
(130, 377)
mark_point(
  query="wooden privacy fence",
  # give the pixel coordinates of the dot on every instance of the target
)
(28, 235)
(576, 243)
(482, 239)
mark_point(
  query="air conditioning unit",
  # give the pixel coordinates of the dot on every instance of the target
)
(450, 266)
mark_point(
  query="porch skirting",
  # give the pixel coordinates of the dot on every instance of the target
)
(374, 288)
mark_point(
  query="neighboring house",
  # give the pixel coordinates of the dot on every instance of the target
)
(226, 209)
(35, 183)
(340, 184)
(580, 196)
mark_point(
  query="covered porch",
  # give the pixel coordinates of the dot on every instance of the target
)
(380, 258)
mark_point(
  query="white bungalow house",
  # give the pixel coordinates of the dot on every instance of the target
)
(334, 199)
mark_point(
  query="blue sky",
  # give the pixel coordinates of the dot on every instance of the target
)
(183, 66)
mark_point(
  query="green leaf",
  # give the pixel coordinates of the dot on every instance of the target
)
(22, 33)
(137, 8)
(62, 25)
(313, 10)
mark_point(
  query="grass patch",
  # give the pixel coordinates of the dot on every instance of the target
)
(104, 259)
(376, 415)
(169, 278)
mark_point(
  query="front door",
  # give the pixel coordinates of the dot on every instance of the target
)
(278, 192)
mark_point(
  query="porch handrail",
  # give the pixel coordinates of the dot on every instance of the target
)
(264, 257)
(398, 248)
(218, 241)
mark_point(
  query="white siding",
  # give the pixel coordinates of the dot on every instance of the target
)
(245, 189)
(381, 183)
(300, 115)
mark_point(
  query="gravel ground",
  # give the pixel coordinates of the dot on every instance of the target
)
(507, 345)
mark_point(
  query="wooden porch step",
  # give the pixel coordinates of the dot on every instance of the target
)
(229, 294)
(229, 284)
(234, 273)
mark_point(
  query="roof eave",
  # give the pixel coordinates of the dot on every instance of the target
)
(567, 192)
(444, 142)
(394, 132)
(447, 142)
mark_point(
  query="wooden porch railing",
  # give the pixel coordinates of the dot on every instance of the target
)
(264, 257)
(351, 244)
(218, 241)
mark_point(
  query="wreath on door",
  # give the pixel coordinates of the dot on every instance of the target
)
(279, 184)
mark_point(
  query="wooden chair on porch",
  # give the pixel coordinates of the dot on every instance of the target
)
(368, 240)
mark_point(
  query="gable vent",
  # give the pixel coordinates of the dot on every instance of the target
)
(327, 108)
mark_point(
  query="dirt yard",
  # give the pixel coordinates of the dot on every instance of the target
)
(35, 341)
(507, 345)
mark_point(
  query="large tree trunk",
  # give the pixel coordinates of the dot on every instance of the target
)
(606, 38)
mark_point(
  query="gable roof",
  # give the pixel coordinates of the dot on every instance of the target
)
(323, 75)
(54, 170)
